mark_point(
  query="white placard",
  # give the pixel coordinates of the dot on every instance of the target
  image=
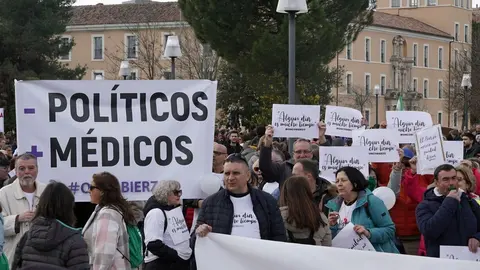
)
(141, 131)
(176, 226)
(406, 123)
(333, 158)
(382, 144)
(348, 238)
(458, 253)
(295, 121)
(430, 149)
(341, 121)
(2, 120)
(222, 251)
(453, 152)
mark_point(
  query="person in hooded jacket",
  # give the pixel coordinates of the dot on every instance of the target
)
(51, 240)
(166, 232)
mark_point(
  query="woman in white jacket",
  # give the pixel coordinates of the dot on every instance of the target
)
(166, 233)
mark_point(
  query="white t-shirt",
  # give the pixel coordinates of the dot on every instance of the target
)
(245, 221)
(346, 213)
(153, 227)
(30, 197)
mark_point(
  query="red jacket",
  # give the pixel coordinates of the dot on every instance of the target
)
(403, 213)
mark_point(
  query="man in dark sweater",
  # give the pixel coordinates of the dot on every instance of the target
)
(447, 216)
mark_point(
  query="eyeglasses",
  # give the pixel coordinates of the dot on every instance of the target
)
(235, 158)
(216, 153)
(93, 187)
(302, 151)
(256, 169)
(177, 193)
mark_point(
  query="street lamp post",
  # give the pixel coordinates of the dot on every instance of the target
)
(466, 84)
(292, 7)
(173, 51)
(124, 69)
(377, 92)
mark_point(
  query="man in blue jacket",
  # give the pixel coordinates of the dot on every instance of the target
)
(447, 216)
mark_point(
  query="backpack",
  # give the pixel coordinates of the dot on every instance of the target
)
(135, 246)
(303, 241)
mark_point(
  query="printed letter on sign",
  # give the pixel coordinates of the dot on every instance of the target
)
(140, 131)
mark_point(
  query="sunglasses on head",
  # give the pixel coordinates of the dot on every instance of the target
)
(235, 158)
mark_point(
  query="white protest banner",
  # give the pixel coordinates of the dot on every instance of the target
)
(430, 151)
(220, 252)
(2, 120)
(458, 253)
(348, 238)
(382, 144)
(453, 152)
(295, 121)
(140, 131)
(406, 123)
(333, 158)
(340, 121)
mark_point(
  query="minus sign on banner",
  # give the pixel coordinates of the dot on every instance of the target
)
(29, 111)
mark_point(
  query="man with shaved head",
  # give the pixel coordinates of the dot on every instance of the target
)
(219, 156)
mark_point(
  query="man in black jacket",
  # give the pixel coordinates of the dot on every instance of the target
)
(239, 209)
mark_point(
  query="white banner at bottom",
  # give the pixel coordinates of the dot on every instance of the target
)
(219, 252)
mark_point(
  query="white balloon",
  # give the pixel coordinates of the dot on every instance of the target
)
(210, 184)
(386, 195)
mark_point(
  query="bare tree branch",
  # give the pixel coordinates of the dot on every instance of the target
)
(149, 49)
(455, 94)
(198, 60)
(359, 97)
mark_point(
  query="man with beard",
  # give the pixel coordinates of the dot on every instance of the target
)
(18, 202)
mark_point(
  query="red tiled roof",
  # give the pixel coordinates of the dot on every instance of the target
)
(406, 23)
(170, 12)
(126, 13)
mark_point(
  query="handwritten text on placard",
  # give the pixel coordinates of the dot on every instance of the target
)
(299, 121)
(333, 158)
(382, 144)
(406, 123)
(453, 152)
(430, 148)
(340, 121)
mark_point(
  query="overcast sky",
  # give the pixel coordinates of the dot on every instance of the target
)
(109, 2)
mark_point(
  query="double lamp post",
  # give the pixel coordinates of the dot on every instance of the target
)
(172, 51)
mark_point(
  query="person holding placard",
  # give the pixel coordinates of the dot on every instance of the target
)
(279, 172)
(357, 205)
(446, 216)
(166, 233)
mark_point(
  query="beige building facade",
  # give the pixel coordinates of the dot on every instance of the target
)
(104, 35)
(409, 50)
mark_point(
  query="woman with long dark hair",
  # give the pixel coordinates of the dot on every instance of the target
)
(52, 240)
(304, 222)
(105, 232)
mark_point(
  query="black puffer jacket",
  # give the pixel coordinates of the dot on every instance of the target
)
(53, 243)
(217, 211)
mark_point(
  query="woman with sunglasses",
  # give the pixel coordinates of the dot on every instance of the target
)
(105, 231)
(166, 233)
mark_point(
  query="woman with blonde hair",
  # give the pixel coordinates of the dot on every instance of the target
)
(304, 222)
(467, 182)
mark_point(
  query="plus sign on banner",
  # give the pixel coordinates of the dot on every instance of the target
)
(140, 131)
